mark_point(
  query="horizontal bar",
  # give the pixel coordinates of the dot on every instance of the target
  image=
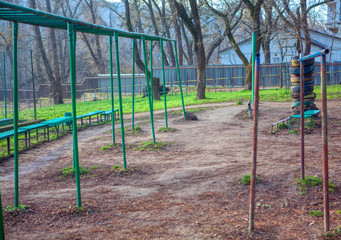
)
(317, 54)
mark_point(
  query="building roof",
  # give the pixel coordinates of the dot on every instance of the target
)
(20, 14)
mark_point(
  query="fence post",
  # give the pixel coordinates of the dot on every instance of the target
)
(215, 85)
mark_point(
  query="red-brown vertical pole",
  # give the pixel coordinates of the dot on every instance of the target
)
(254, 146)
(302, 115)
(325, 143)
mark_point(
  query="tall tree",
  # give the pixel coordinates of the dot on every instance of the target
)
(55, 82)
(192, 23)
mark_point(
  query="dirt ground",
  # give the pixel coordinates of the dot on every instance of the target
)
(189, 190)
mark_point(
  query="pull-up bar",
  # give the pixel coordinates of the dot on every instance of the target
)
(321, 54)
(18, 14)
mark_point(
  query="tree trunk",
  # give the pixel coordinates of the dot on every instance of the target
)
(56, 85)
(156, 87)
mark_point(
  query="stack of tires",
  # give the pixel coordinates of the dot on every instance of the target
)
(309, 95)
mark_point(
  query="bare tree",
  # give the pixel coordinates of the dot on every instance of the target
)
(192, 23)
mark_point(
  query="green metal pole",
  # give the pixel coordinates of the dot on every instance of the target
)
(133, 88)
(179, 78)
(164, 80)
(5, 91)
(72, 48)
(34, 90)
(16, 113)
(253, 64)
(75, 77)
(2, 228)
(112, 90)
(151, 76)
(120, 100)
(148, 86)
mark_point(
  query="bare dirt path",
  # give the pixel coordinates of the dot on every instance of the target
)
(190, 190)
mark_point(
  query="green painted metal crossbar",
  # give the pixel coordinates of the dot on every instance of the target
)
(307, 114)
(56, 122)
(8, 134)
(109, 113)
(12, 12)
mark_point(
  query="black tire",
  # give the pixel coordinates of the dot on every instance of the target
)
(297, 95)
(306, 103)
(307, 88)
(296, 78)
(307, 70)
(296, 63)
(309, 82)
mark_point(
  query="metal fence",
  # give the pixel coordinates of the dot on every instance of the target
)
(220, 76)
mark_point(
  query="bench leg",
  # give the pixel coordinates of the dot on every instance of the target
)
(90, 120)
(29, 138)
(37, 130)
(48, 133)
(26, 139)
(8, 146)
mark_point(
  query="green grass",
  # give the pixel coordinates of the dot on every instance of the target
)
(166, 129)
(119, 170)
(338, 212)
(21, 207)
(316, 213)
(141, 104)
(246, 179)
(282, 126)
(150, 146)
(309, 181)
(70, 171)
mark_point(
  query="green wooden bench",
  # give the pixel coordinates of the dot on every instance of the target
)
(7, 135)
(28, 130)
(107, 115)
(6, 121)
(89, 115)
(56, 122)
(307, 114)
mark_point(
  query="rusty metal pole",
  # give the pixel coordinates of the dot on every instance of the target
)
(254, 147)
(325, 143)
(301, 119)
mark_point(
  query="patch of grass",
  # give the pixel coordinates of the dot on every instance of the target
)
(316, 213)
(282, 126)
(119, 170)
(246, 179)
(293, 131)
(20, 208)
(68, 171)
(150, 146)
(338, 212)
(239, 103)
(166, 129)
(137, 130)
(309, 181)
(73, 210)
(107, 147)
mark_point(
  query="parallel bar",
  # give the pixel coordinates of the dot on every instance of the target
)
(34, 90)
(302, 116)
(164, 81)
(72, 49)
(16, 113)
(148, 86)
(5, 91)
(253, 64)
(317, 54)
(325, 144)
(254, 147)
(112, 90)
(133, 88)
(120, 100)
(151, 76)
(179, 79)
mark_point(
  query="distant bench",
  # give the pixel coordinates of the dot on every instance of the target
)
(107, 114)
(307, 114)
(89, 115)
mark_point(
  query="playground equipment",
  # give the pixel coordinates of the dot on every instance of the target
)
(18, 14)
(309, 95)
(322, 54)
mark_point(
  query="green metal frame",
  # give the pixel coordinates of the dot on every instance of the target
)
(133, 88)
(179, 79)
(5, 91)
(72, 48)
(16, 113)
(148, 87)
(112, 90)
(253, 64)
(2, 229)
(120, 100)
(164, 81)
(19, 14)
(34, 90)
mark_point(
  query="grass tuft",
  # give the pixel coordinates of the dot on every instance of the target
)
(166, 129)
(150, 146)
(246, 179)
(316, 213)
